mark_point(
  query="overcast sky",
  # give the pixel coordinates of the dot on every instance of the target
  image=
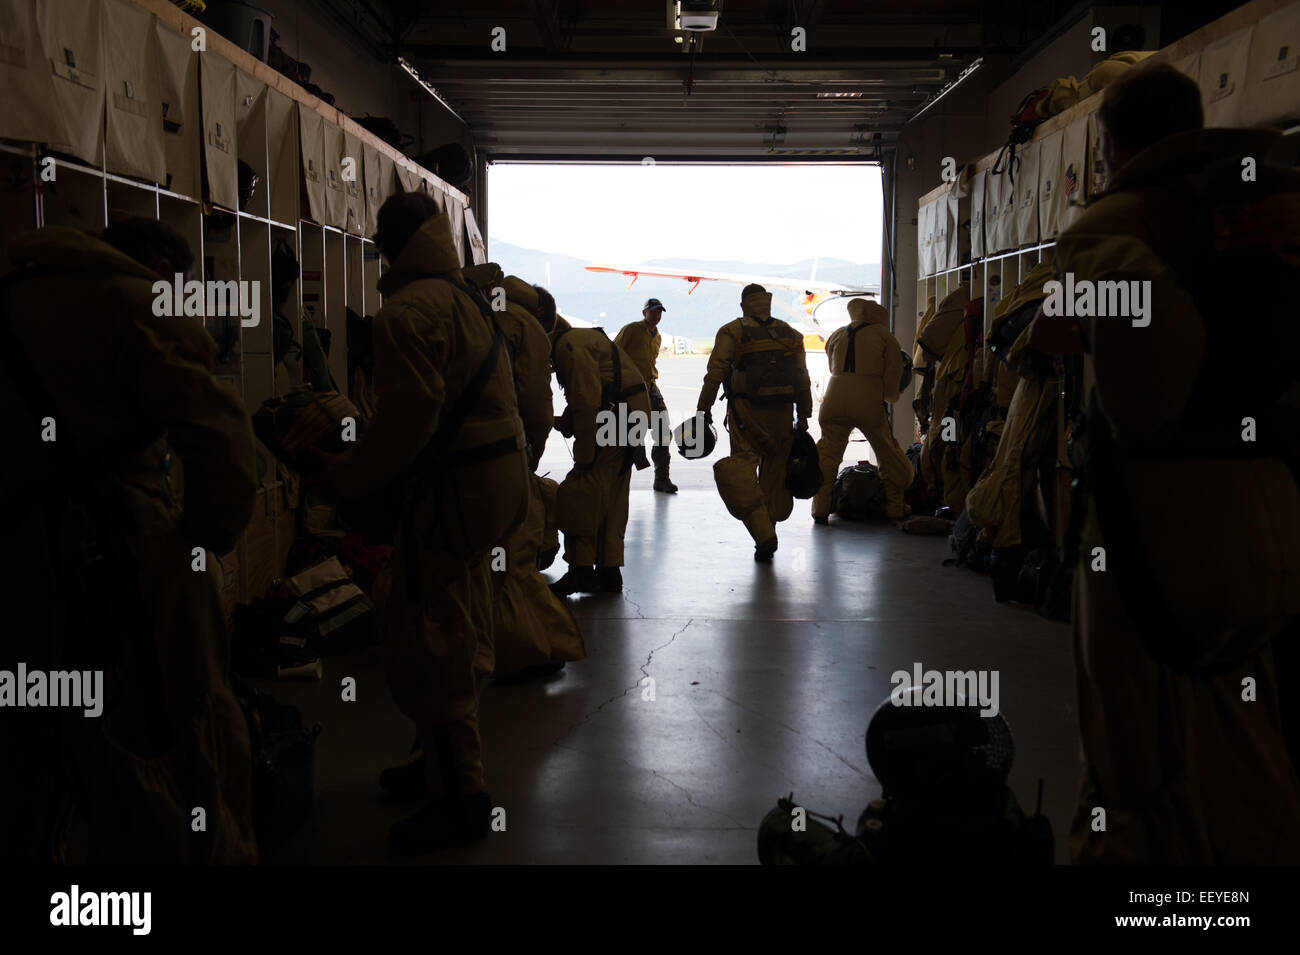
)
(629, 214)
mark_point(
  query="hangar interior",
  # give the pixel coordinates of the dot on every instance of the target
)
(763, 677)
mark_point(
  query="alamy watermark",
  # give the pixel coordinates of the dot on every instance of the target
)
(213, 299)
(1086, 299)
(923, 687)
(621, 428)
(77, 908)
(73, 689)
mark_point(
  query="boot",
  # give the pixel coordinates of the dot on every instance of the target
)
(663, 484)
(765, 550)
(444, 822)
(821, 519)
(578, 580)
(611, 580)
(406, 781)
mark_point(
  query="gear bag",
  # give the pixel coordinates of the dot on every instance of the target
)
(859, 494)
(803, 470)
(769, 364)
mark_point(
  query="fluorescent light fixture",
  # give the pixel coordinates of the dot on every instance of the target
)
(854, 95)
(698, 15)
(428, 87)
(961, 78)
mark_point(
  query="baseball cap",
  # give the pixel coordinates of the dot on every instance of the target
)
(653, 303)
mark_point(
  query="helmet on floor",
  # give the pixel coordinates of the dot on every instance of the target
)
(696, 437)
(933, 753)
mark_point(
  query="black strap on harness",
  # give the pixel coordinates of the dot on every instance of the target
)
(437, 452)
(614, 394)
(437, 456)
(851, 359)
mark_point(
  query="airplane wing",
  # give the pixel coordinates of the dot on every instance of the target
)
(768, 282)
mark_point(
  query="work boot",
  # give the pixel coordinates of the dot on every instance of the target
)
(405, 782)
(578, 580)
(444, 822)
(821, 519)
(611, 580)
(663, 484)
(765, 550)
(539, 672)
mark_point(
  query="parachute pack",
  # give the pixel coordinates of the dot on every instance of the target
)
(769, 364)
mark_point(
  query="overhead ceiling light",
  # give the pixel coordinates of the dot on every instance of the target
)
(699, 15)
(854, 95)
(962, 77)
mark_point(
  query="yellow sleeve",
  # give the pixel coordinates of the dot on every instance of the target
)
(581, 372)
(803, 395)
(835, 362)
(893, 365)
(652, 358)
(533, 385)
(724, 349)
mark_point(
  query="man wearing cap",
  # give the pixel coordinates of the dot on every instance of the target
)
(866, 365)
(641, 342)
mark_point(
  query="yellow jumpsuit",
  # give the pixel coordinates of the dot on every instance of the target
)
(176, 738)
(857, 400)
(531, 626)
(642, 345)
(435, 596)
(1187, 769)
(592, 501)
(751, 479)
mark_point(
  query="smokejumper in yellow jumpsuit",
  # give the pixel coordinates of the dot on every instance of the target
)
(130, 390)
(607, 414)
(532, 629)
(435, 595)
(1186, 764)
(641, 341)
(760, 361)
(865, 363)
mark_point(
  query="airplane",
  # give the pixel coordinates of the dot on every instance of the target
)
(813, 295)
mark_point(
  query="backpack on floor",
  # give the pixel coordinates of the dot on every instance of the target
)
(859, 494)
(284, 763)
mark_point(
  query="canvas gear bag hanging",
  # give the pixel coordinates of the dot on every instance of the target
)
(134, 137)
(220, 159)
(71, 31)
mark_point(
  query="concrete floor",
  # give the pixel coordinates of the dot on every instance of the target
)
(764, 679)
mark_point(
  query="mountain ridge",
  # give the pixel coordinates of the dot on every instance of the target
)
(608, 300)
